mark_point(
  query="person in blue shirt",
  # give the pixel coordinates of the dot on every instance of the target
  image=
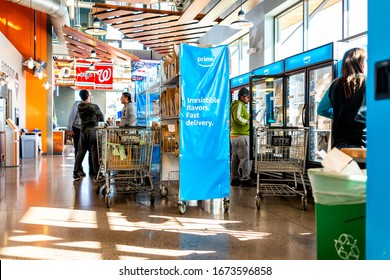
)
(345, 102)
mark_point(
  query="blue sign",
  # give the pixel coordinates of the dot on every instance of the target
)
(321, 54)
(204, 123)
(271, 69)
(141, 108)
(240, 81)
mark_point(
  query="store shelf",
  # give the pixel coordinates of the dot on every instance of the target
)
(172, 82)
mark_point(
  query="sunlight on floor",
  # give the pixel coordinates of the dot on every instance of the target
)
(60, 217)
(47, 248)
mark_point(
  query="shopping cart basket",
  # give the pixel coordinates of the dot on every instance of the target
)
(127, 158)
(280, 151)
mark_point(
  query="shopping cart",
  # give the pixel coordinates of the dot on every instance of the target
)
(280, 151)
(100, 132)
(127, 159)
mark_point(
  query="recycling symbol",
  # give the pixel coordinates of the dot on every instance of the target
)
(346, 247)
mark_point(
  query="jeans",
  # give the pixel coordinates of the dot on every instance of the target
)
(240, 158)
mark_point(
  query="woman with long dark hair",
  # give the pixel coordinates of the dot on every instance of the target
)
(345, 102)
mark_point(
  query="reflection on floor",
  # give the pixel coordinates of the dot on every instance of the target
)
(44, 215)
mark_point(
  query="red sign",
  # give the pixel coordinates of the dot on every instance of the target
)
(102, 79)
(104, 76)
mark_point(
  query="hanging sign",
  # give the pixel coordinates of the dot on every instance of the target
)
(204, 123)
(101, 80)
(64, 72)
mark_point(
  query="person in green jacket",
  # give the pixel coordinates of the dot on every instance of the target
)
(239, 140)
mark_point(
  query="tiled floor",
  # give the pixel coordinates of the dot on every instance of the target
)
(44, 215)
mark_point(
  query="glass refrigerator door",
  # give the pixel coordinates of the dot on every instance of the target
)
(295, 99)
(320, 127)
(267, 102)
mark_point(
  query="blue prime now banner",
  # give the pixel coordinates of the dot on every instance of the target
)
(204, 123)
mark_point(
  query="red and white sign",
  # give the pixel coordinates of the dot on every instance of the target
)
(101, 80)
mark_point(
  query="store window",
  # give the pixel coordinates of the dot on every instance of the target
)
(239, 56)
(325, 22)
(289, 32)
(357, 17)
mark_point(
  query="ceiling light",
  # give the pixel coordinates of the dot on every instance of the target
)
(30, 63)
(46, 85)
(93, 57)
(96, 29)
(241, 23)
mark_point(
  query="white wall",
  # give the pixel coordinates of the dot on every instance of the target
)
(11, 63)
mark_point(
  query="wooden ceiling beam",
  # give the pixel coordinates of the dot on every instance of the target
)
(103, 15)
(216, 11)
(171, 43)
(172, 34)
(90, 40)
(192, 11)
(165, 30)
(134, 9)
(128, 17)
(177, 38)
(156, 26)
(146, 21)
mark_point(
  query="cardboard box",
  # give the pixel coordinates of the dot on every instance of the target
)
(168, 139)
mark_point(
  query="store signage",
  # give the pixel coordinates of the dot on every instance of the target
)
(64, 72)
(309, 58)
(239, 81)
(101, 80)
(271, 69)
(204, 123)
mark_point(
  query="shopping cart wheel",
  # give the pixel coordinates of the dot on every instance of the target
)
(182, 207)
(164, 192)
(226, 203)
(304, 203)
(258, 201)
(108, 200)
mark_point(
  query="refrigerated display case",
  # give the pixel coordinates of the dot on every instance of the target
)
(266, 88)
(267, 98)
(308, 75)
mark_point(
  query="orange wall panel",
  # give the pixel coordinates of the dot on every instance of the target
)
(17, 24)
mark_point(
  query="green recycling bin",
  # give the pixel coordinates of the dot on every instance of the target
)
(340, 207)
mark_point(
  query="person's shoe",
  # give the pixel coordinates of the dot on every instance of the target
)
(76, 177)
(235, 182)
(82, 173)
(246, 183)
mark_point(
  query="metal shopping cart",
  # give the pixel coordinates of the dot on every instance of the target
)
(100, 132)
(281, 151)
(127, 158)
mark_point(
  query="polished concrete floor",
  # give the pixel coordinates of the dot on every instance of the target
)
(45, 215)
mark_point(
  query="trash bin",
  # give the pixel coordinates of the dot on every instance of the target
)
(340, 209)
(29, 145)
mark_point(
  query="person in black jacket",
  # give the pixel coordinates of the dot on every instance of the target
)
(90, 116)
(345, 102)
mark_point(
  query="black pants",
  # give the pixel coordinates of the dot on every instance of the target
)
(88, 143)
(76, 141)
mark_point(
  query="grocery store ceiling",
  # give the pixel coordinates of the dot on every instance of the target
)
(159, 30)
